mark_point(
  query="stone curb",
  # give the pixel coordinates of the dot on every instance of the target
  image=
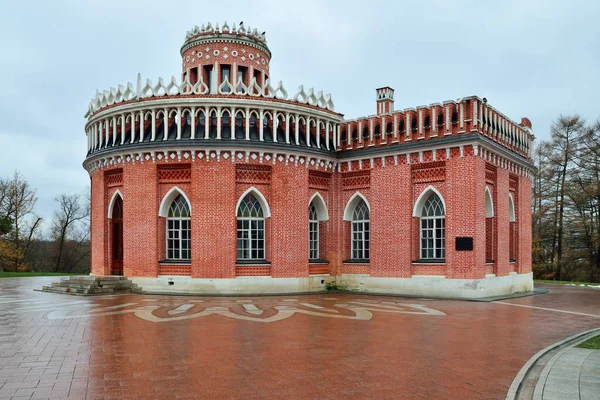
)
(518, 381)
(543, 378)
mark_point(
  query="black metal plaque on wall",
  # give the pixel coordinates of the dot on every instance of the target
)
(464, 244)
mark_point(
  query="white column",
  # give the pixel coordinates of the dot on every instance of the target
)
(307, 133)
(178, 122)
(218, 122)
(206, 123)
(475, 108)
(261, 132)
(327, 136)
(193, 123)
(114, 132)
(100, 135)
(395, 126)
(318, 133)
(247, 124)
(165, 124)
(106, 132)
(132, 127)
(348, 135)
(462, 116)
(234, 77)
(153, 121)
(420, 122)
(407, 125)
(287, 127)
(359, 131)
(232, 123)
(275, 125)
(434, 120)
(371, 130)
(297, 130)
(141, 126)
(122, 128)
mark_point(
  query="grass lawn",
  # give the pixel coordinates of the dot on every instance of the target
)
(27, 274)
(593, 343)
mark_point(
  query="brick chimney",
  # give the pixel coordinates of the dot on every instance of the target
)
(526, 122)
(385, 100)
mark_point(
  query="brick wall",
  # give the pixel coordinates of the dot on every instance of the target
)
(215, 187)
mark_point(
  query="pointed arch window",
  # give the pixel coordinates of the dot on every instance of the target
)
(179, 230)
(433, 229)
(250, 229)
(361, 232)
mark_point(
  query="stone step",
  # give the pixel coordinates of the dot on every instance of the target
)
(92, 285)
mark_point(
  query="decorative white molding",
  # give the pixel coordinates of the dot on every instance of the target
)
(261, 199)
(320, 205)
(352, 202)
(423, 197)
(163, 209)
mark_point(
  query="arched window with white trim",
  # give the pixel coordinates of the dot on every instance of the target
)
(361, 231)
(179, 230)
(317, 213)
(433, 228)
(250, 229)
(490, 238)
(512, 230)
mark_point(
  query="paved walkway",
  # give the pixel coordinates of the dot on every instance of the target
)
(574, 374)
(326, 346)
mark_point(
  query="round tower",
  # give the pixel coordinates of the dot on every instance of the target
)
(225, 57)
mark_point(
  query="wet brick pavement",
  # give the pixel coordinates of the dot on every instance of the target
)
(325, 346)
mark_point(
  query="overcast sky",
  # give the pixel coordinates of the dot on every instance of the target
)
(530, 58)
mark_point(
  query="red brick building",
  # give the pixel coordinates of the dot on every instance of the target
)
(225, 182)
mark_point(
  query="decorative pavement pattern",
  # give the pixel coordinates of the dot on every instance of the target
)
(325, 346)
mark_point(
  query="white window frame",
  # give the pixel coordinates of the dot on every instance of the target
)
(260, 227)
(180, 240)
(313, 233)
(358, 235)
(437, 222)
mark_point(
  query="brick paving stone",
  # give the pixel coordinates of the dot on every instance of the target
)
(473, 351)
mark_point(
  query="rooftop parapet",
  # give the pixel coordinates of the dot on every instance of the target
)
(173, 88)
(240, 32)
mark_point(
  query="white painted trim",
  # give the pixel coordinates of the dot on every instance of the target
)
(163, 209)
(354, 200)
(489, 203)
(511, 209)
(320, 205)
(111, 204)
(261, 199)
(423, 197)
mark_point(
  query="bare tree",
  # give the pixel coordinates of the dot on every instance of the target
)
(69, 227)
(17, 201)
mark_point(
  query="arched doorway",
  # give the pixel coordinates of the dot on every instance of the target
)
(116, 228)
